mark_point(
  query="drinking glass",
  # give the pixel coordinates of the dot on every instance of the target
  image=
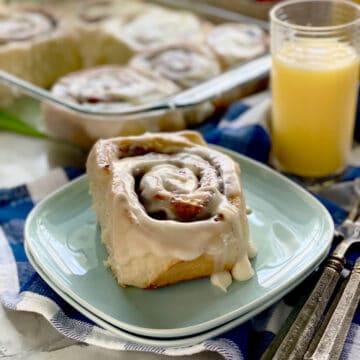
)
(315, 48)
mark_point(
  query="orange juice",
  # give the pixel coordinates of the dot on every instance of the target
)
(314, 90)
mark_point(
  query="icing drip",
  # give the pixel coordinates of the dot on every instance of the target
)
(242, 270)
(222, 280)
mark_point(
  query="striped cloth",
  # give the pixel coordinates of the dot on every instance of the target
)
(243, 129)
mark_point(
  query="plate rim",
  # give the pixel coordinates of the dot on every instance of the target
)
(214, 322)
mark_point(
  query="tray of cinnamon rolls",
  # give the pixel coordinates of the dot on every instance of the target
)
(105, 68)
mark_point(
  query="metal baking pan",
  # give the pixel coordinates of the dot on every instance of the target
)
(237, 77)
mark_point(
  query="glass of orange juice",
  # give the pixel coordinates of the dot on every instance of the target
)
(315, 47)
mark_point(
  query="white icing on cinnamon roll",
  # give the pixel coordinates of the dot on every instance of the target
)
(222, 280)
(234, 43)
(24, 24)
(111, 87)
(96, 46)
(185, 65)
(35, 45)
(156, 27)
(95, 11)
(170, 209)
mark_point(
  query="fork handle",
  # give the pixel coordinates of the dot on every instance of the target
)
(332, 340)
(297, 340)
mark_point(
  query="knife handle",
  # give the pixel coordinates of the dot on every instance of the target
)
(297, 340)
(332, 340)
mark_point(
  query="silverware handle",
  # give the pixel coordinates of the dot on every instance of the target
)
(297, 340)
(332, 340)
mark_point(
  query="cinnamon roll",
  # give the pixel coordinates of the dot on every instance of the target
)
(95, 45)
(155, 27)
(35, 45)
(234, 43)
(170, 209)
(185, 65)
(109, 87)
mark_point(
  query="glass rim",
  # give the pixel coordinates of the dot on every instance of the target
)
(274, 18)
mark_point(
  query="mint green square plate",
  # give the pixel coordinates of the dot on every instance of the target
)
(291, 229)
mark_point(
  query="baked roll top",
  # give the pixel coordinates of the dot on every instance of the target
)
(96, 11)
(155, 27)
(110, 87)
(97, 47)
(113, 86)
(170, 209)
(25, 24)
(234, 43)
(186, 65)
(35, 45)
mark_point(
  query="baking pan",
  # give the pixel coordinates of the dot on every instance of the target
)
(243, 76)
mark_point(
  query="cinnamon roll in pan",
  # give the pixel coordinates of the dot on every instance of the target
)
(156, 27)
(234, 43)
(109, 87)
(170, 209)
(95, 45)
(35, 45)
(185, 65)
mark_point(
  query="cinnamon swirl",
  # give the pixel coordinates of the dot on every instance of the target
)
(36, 46)
(109, 87)
(185, 65)
(234, 43)
(170, 209)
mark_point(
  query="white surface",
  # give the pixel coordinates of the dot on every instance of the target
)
(24, 158)
(27, 335)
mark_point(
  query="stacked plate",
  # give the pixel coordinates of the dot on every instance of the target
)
(291, 229)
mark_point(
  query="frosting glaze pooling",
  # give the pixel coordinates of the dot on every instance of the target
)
(170, 197)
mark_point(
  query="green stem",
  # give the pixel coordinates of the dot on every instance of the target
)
(10, 122)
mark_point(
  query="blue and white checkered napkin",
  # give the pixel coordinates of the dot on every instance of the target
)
(243, 129)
